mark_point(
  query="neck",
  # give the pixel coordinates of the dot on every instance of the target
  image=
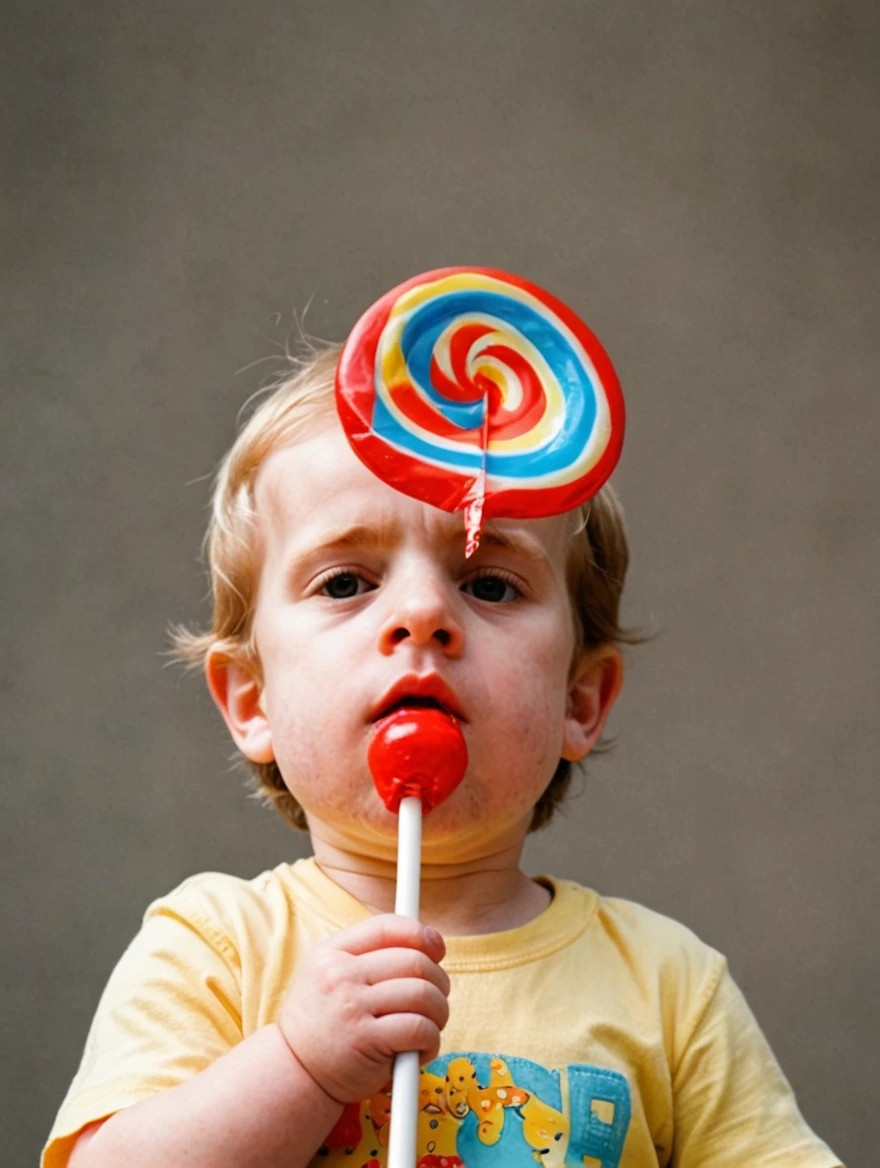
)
(487, 894)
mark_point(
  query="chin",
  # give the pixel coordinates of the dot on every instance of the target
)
(465, 828)
(370, 829)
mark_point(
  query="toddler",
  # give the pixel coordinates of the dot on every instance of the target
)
(255, 1022)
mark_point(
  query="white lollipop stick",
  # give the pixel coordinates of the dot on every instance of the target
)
(405, 1078)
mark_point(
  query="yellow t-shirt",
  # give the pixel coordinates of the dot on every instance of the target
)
(598, 1034)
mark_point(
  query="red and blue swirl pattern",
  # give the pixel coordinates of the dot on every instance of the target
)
(468, 384)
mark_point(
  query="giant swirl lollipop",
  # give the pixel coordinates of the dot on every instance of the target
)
(475, 391)
(479, 392)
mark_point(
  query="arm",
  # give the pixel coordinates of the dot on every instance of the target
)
(255, 1106)
(359, 998)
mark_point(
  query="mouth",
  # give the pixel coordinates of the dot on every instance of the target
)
(424, 693)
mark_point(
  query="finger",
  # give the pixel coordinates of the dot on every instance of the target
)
(398, 1032)
(387, 931)
(409, 996)
(389, 964)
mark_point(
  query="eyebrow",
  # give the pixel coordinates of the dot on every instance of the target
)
(369, 537)
(363, 536)
(359, 535)
(522, 545)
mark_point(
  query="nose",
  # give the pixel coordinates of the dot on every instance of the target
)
(422, 612)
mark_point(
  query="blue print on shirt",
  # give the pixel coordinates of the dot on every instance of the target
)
(481, 1110)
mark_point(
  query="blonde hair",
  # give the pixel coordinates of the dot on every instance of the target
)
(294, 406)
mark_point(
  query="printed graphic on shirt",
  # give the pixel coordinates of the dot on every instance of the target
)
(482, 1110)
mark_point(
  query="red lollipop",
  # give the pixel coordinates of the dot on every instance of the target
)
(417, 752)
(417, 758)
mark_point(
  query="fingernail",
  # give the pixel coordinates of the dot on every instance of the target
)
(433, 937)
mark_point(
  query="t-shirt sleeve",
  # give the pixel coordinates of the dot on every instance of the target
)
(733, 1105)
(169, 1010)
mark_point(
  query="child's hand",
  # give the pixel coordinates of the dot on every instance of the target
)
(363, 996)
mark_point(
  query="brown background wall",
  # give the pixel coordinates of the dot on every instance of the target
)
(700, 182)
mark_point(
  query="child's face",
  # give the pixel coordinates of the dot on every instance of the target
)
(365, 597)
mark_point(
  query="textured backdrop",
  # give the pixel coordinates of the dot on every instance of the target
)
(700, 181)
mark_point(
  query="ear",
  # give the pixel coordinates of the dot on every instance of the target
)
(595, 682)
(238, 694)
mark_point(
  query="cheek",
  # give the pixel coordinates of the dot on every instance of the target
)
(312, 774)
(320, 752)
(522, 745)
(530, 753)
(302, 732)
(533, 683)
(526, 706)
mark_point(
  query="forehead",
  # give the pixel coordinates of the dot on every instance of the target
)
(315, 489)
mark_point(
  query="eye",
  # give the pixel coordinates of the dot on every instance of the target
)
(491, 588)
(344, 585)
